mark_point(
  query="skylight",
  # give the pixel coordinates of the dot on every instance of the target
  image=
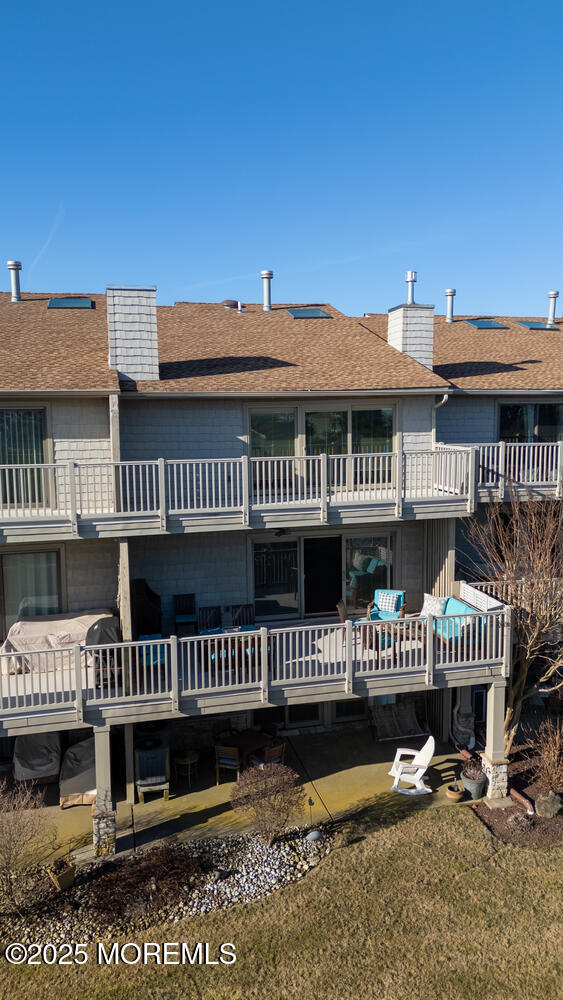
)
(535, 325)
(308, 314)
(486, 324)
(74, 302)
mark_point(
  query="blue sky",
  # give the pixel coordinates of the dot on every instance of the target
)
(189, 145)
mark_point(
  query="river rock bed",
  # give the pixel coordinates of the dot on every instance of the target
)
(230, 870)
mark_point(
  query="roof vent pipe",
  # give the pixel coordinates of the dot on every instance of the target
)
(450, 293)
(14, 267)
(267, 283)
(552, 300)
(410, 278)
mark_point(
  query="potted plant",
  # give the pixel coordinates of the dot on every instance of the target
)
(545, 756)
(62, 873)
(473, 777)
(455, 791)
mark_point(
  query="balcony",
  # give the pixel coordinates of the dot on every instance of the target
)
(238, 671)
(109, 499)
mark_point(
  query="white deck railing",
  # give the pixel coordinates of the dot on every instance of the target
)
(227, 486)
(123, 675)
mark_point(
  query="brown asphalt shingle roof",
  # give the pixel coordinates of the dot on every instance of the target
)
(515, 359)
(205, 348)
(53, 350)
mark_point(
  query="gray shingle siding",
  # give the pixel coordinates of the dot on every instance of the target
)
(132, 332)
(467, 420)
(179, 428)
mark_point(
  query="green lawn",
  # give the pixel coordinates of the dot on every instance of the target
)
(426, 905)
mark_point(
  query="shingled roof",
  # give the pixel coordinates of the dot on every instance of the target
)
(514, 359)
(54, 350)
(206, 348)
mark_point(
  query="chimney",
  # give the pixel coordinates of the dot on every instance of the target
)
(410, 327)
(132, 332)
(450, 295)
(267, 285)
(553, 296)
(14, 267)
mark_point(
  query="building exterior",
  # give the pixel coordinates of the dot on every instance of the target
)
(285, 457)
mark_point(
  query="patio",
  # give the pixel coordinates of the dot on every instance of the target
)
(344, 770)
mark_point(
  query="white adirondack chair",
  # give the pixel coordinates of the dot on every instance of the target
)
(413, 770)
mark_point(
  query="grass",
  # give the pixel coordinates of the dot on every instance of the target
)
(412, 903)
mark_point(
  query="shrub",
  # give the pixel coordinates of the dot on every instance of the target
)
(270, 794)
(143, 884)
(545, 755)
(25, 834)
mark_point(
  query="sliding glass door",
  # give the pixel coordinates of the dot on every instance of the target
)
(22, 434)
(30, 585)
(528, 422)
(369, 567)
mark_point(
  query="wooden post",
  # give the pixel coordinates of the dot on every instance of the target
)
(162, 493)
(324, 488)
(399, 484)
(507, 649)
(494, 745)
(103, 769)
(72, 498)
(124, 591)
(264, 665)
(349, 647)
(502, 471)
(429, 651)
(174, 677)
(472, 474)
(78, 684)
(245, 490)
(129, 763)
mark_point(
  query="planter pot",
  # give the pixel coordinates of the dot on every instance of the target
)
(455, 794)
(475, 786)
(64, 879)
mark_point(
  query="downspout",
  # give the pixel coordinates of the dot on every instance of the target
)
(437, 406)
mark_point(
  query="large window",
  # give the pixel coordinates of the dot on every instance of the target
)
(30, 585)
(276, 579)
(21, 443)
(326, 432)
(372, 431)
(272, 435)
(527, 422)
(369, 567)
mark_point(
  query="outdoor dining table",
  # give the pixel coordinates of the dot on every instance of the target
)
(247, 742)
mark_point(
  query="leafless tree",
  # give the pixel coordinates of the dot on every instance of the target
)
(25, 834)
(270, 794)
(520, 546)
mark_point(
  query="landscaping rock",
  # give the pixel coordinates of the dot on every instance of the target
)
(548, 806)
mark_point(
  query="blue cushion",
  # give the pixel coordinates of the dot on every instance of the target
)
(228, 761)
(211, 631)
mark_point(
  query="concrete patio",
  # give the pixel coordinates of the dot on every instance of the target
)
(343, 770)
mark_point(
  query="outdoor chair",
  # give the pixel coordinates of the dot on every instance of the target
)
(209, 620)
(412, 771)
(272, 755)
(387, 605)
(243, 616)
(227, 759)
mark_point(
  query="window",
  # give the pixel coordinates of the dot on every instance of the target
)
(272, 435)
(308, 713)
(71, 302)
(326, 432)
(527, 422)
(30, 585)
(372, 431)
(22, 434)
(276, 579)
(308, 313)
(369, 567)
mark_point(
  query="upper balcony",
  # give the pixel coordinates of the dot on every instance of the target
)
(109, 499)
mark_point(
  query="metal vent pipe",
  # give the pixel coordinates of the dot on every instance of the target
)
(410, 278)
(553, 296)
(450, 294)
(14, 267)
(267, 284)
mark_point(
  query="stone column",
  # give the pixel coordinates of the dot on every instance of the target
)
(495, 764)
(103, 814)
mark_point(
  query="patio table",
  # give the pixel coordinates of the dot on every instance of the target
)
(247, 741)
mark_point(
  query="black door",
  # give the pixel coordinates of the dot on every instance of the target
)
(323, 574)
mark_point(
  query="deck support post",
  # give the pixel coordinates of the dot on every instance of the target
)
(495, 764)
(162, 493)
(174, 679)
(78, 684)
(129, 763)
(559, 491)
(103, 814)
(507, 647)
(400, 460)
(472, 473)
